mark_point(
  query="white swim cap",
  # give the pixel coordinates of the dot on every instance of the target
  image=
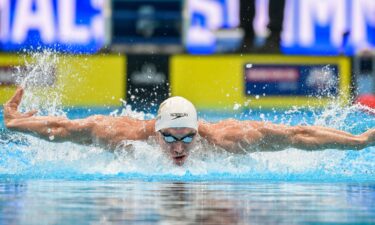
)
(176, 112)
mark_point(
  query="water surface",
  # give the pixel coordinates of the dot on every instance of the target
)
(168, 202)
(65, 183)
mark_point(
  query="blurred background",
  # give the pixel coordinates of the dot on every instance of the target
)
(220, 54)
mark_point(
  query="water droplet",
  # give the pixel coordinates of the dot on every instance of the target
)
(236, 106)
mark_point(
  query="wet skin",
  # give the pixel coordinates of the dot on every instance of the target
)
(178, 151)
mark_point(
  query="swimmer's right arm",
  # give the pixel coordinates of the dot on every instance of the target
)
(48, 127)
(105, 130)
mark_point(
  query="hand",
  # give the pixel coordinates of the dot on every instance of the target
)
(11, 108)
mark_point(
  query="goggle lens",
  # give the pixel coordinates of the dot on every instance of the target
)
(171, 139)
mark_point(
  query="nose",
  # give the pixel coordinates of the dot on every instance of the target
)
(178, 148)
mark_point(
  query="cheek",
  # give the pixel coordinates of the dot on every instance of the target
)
(164, 146)
(191, 145)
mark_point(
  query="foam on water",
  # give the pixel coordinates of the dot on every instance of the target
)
(30, 157)
(42, 159)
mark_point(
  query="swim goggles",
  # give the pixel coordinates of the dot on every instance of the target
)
(172, 139)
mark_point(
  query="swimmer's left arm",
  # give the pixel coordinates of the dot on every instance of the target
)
(313, 137)
(237, 136)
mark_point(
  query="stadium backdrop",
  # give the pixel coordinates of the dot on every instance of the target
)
(330, 27)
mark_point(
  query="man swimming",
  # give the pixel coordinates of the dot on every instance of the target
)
(176, 128)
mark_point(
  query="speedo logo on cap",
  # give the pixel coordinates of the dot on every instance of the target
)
(178, 115)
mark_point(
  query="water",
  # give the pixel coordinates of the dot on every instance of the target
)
(49, 183)
(168, 202)
(65, 183)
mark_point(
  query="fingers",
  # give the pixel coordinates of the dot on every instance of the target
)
(16, 99)
(17, 96)
(11, 107)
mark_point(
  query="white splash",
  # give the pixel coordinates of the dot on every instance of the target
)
(38, 77)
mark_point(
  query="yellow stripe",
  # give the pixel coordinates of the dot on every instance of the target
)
(217, 82)
(81, 80)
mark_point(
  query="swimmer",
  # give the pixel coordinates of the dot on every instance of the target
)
(176, 128)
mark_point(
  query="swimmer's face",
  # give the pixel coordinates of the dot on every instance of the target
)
(177, 142)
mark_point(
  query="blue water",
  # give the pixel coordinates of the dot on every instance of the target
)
(65, 183)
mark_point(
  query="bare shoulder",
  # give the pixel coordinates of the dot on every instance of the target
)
(246, 126)
(116, 129)
(228, 125)
(231, 134)
(242, 124)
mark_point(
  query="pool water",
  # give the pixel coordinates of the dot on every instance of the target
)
(38, 201)
(64, 183)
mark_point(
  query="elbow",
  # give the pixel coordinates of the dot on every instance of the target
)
(360, 143)
(297, 130)
(305, 143)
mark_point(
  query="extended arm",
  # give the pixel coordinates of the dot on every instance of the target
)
(252, 136)
(102, 129)
(313, 137)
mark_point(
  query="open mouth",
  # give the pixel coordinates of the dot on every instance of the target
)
(179, 159)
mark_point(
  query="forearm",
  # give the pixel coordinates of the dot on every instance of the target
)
(319, 138)
(49, 128)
